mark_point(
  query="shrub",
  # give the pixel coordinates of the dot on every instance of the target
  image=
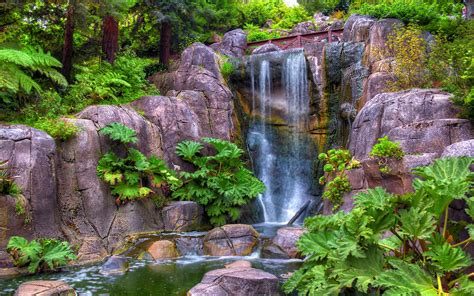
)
(385, 150)
(39, 255)
(292, 16)
(420, 257)
(409, 50)
(134, 176)
(256, 34)
(57, 128)
(335, 177)
(220, 183)
(227, 68)
(122, 82)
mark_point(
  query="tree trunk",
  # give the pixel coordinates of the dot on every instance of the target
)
(110, 32)
(68, 41)
(165, 42)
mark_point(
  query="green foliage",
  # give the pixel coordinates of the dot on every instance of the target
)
(221, 183)
(346, 250)
(385, 150)
(7, 182)
(325, 6)
(19, 66)
(57, 128)
(129, 177)
(227, 68)
(430, 14)
(39, 255)
(122, 82)
(335, 177)
(254, 33)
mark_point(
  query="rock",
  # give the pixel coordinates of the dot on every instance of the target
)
(269, 47)
(91, 250)
(115, 265)
(378, 37)
(411, 161)
(463, 148)
(163, 249)
(234, 44)
(236, 282)
(407, 114)
(284, 243)
(45, 288)
(375, 84)
(200, 55)
(31, 156)
(190, 245)
(303, 28)
(397, 181)
(357, 28)
(337, 25)
(431, 136)
(182, 216)
(87, 208)
(230, 240)
(239, 264)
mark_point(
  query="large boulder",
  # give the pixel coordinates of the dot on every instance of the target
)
(266, 48)
(357, 28)
(303, 28)
(284, 243)
(31, 159)
(182, 216)
(87, 208)
(231, 240)
(45, 288)
(236, 282)
(115, 265)
(463, 148)
(233, 44)
(405, 114)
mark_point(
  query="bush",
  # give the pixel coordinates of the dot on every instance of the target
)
(431, 15)
(122, 82)
(347, 251)
(220, 183)
(227, 68)
(134, 176)
(39, 255)
(57, 128)
(385, 150)
(337, 183)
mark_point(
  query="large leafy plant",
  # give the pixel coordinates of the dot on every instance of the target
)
(39, 255)
(397, 245)
(221, 183)
(337, 162)
(134, 176)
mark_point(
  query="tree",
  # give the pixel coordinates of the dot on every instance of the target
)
(110, 32)
(68, 40)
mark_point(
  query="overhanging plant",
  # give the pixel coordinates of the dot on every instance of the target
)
(134, 176)
(221, 183)
(392, 245)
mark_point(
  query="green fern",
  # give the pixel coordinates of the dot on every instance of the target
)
(39, 255)
(119, 132)
(18, 66)
(221, 183)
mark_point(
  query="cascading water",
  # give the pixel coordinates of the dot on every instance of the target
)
(281, 149)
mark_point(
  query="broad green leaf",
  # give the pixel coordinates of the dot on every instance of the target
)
(446, 258)
(416, 223)
(119, 132)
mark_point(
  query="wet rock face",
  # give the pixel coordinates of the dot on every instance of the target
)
(163, 249)
(237, 282)
(283, 245)
(231, 240)
(115, 265)
(45, 288)
(30, 156)
(182, 216)
(233, 44)
(423, 121)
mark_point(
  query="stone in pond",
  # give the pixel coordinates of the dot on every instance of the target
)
(283, 245)
(230, 240)
(239, 264)
(163, 249)
(115, 265)
(45, 288)
(236, 282)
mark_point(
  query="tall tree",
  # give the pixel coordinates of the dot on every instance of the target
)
(68, 41)
(110, 34)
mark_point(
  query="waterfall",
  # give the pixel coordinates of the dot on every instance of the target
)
(282, 151)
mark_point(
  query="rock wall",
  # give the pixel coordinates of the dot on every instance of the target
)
(66, 199)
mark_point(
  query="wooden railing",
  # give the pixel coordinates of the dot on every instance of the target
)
(298, 41)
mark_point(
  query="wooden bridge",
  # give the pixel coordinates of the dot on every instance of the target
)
(298, 41)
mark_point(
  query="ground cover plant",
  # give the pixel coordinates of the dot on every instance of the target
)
(393, 245)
